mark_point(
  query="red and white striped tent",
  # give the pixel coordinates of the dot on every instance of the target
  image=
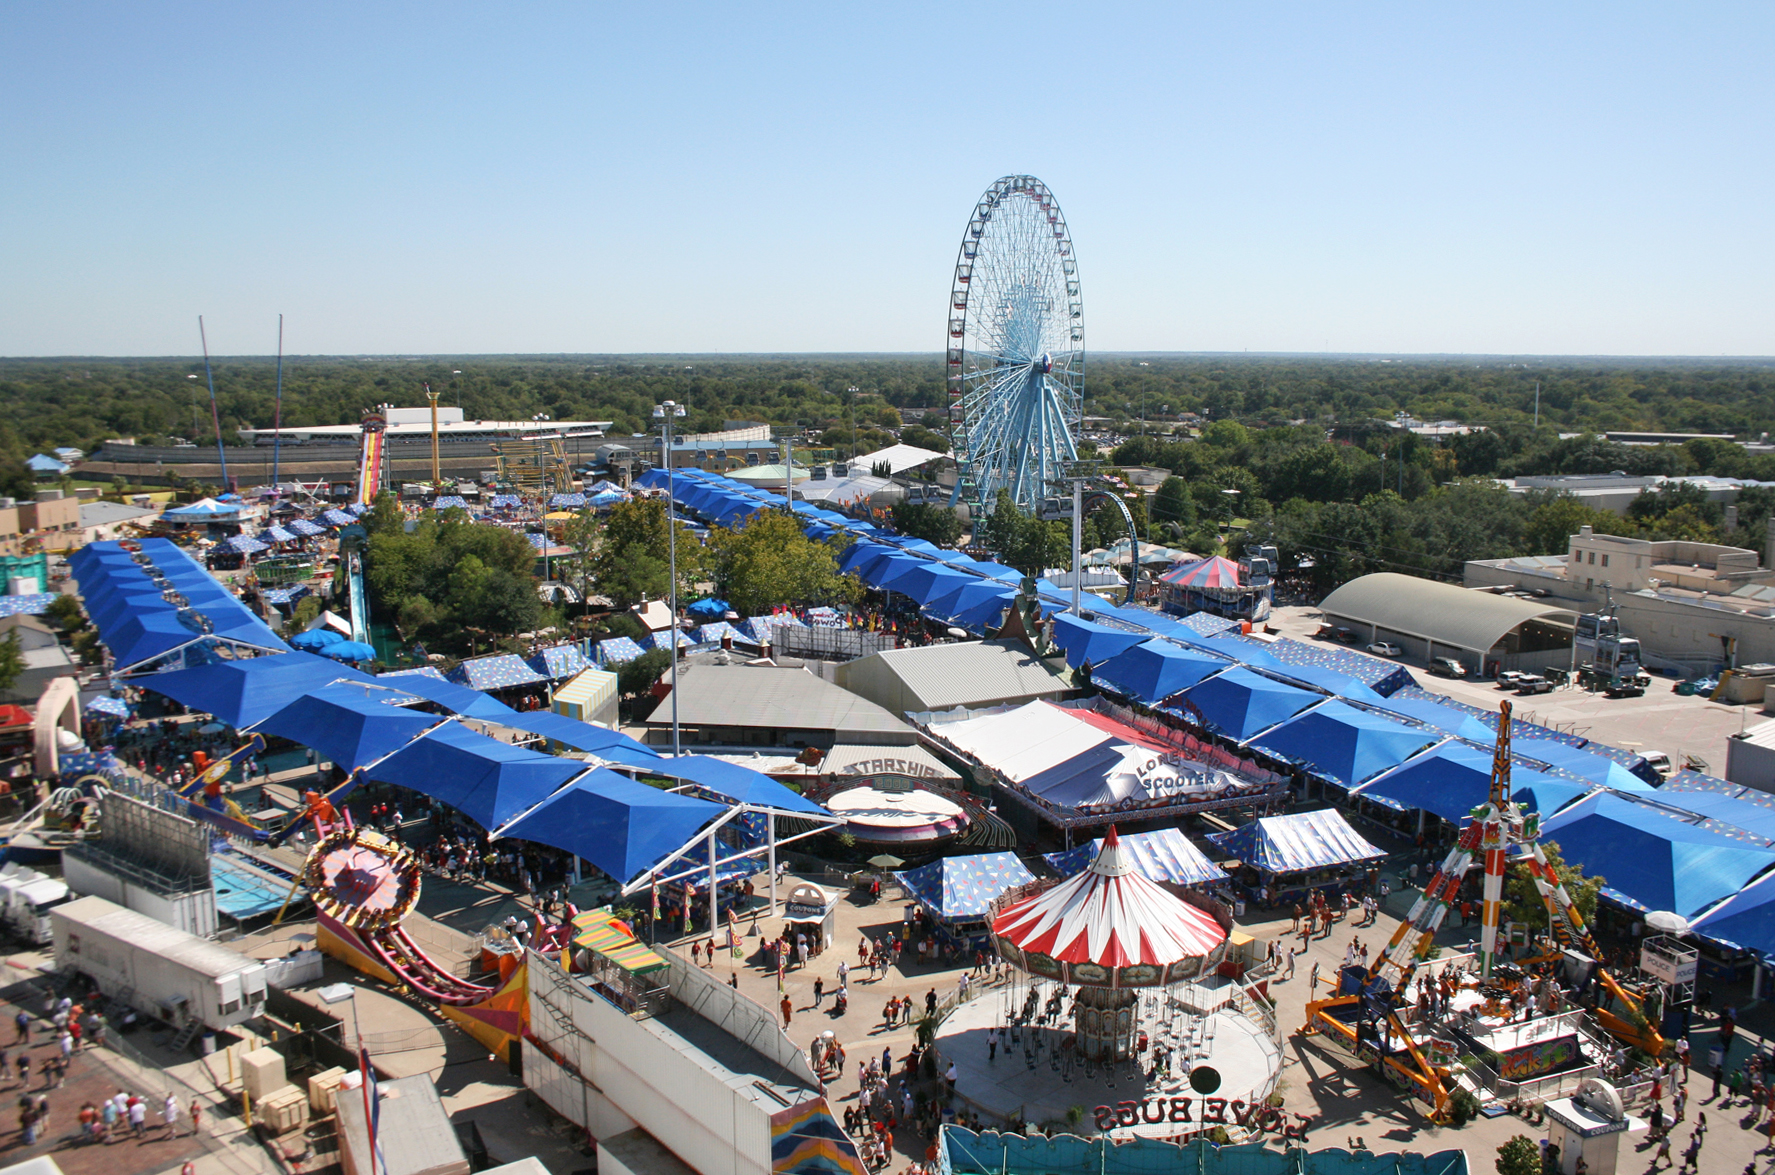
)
(1109, 926)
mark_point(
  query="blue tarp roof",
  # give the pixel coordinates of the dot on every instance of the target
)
(1085, 641)
(241, 693)
(616, 823)
(1333, 681)
(962, 889)
(1299, 841)
(1164, 855)
(500, 671)
(1755, 817)
(1345, 745)
(1240, 703)
(349, 724)
(489, 780)
(886, 573)
(1154, 670)
(44, 463)
(617, 650)
(581, 736)
(137, 623)
(927, 583)
(1652, 860)
(559, 661)
(1455, 778)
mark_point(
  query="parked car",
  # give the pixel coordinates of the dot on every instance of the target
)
(1659, 762)
(1509, 677)
(1533, 683)
(1385, 649)
(1447, 667)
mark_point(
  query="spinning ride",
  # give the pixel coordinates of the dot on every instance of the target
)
(1110, 932)
(1016, 356)
(1365, 1013)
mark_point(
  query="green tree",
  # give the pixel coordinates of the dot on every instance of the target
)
(66, 612)
(928, 521)
(771, 561)
(304, 614)
(1522, 901)
(12, 660)
(1173, 508)
(925, 438)
(1552, 524)
(636, 677)
(1519, 1156)
(632, 559)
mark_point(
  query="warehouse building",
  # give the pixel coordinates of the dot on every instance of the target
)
(1485, 632)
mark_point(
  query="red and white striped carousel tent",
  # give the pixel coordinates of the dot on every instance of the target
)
(1109, 926)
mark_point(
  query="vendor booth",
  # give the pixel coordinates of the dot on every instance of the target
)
(813, 911)
(1289, 856)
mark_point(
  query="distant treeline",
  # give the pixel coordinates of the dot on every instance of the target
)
(81, 402)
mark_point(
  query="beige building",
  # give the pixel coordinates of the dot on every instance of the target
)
(1694, 607)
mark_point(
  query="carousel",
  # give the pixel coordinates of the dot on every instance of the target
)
(1113, 1000)
(1110, 933)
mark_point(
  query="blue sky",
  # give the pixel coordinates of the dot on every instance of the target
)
(1576, 179)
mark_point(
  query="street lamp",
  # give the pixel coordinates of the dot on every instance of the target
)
(666, 412)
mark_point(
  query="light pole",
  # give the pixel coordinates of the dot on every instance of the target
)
(666, 412)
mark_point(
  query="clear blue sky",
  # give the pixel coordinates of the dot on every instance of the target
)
(441, 177)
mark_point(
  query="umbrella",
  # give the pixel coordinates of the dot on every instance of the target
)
(1668, 922)
(886, 861)
(315, 639)
(349, 651)
(211, 728)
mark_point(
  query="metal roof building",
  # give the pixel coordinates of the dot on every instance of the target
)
(1433, 619)
(970, 674)
(770, 705)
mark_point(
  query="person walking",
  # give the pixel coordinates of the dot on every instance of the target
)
(819, 990)
(1289, 972)
(169, 1114)
(196, 1115)
(788, 1011)
(138, 1116)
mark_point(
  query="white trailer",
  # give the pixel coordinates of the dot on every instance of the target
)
(26, 897)
(157, 969)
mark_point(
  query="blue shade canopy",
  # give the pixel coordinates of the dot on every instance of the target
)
(964, 597)
(306, 529)
(1240, 703)
(348, 724)
(106, 704)
(337, 518)
(315, 639)
(1652, 860)
(349, 651)
(962, 889)
(742, 785)
(488, 780)
(1085, 641)
(860, 553)
(710, 609)
(934, 579)
(278, 534)
(1455, 778)
(1164, 855)
(241, 693)
(1343, 744)
(1154, 670)
(1299, 841)
(1583, 764)
(242, 544)
(458, 699)
(1330, 680)
(985, 613)
(621, 826)
(1745, 920)
(1447, 719)
(886, 573)
(581, 736)
(135, 619)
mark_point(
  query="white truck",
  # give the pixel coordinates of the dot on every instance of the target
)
(157, 969)
(26, 898)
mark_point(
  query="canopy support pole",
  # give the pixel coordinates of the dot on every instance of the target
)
(772, 912)
(712, 890)
(1420, 822)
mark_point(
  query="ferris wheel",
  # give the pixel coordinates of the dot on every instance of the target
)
(1016, 356)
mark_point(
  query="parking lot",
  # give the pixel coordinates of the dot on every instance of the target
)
(1659, 721)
